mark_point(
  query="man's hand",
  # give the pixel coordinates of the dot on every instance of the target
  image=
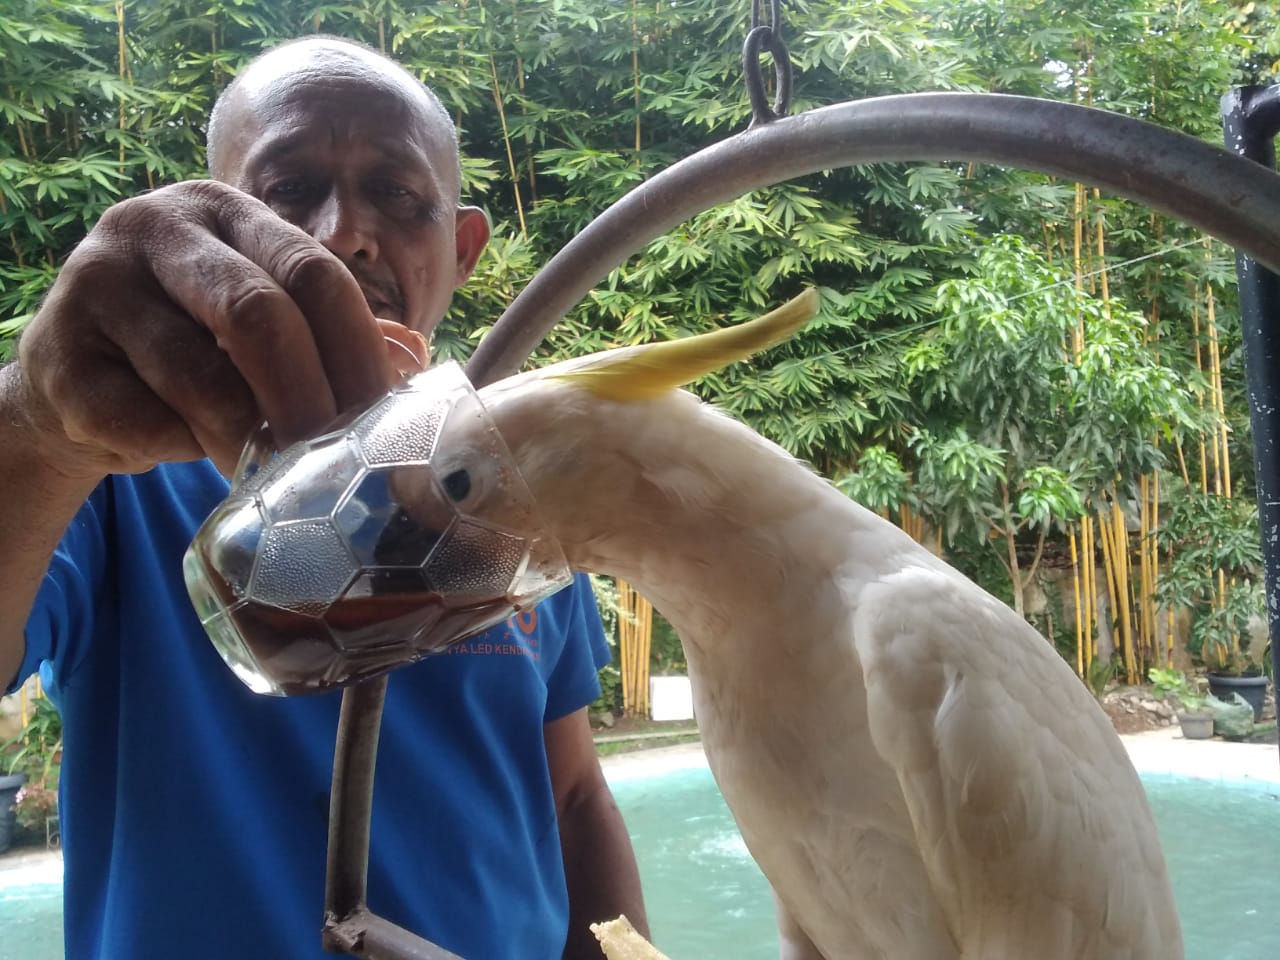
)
(185, 318)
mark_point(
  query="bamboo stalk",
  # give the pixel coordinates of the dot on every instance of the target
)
(1124, 586)
(123, 60)
(633, 661)
(1223, 481)
(624, 646)
(646, 647)
(635, 71)
(1091, 588)
(1081, 658)
(1149, 549)
(1155, 566)
(627, 654)
(506, 139)
(1222, 602)
(1077, 244)
(1182, 462)
(1102, 261)
(213, 52)
(528, 133)
(13, 236)
(1146, 635)
(1215, 385)
(1195, 332)
(637, 660)
(1104, 539)
(635, 643)
(911, 522)
(1154, 548)
(633, 628)
(20, 125)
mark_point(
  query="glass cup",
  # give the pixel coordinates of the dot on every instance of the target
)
(397, 532)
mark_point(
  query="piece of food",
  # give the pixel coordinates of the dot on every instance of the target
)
(620, 941)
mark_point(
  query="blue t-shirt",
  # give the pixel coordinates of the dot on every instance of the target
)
(194, 811)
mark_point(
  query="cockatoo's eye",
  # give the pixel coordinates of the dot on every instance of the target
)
(467, 477)
(457, 485)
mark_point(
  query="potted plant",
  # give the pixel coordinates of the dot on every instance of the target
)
(1232, 670)
(1194, 717)
(1216, 573)
(10, 784)
(30, 761)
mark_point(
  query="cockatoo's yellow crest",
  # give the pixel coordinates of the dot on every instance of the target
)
(646, 371)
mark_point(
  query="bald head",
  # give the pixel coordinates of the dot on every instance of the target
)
(321, 63)
(350, 148)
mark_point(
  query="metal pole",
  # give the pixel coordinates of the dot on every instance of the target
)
(1250, 122)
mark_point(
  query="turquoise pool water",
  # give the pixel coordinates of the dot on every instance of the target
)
(708, 901)
(31, 914)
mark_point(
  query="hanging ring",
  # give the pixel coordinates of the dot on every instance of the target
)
(759, 40)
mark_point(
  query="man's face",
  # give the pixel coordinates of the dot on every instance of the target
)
(350, 152)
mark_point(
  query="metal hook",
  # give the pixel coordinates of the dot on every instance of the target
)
(759, 39)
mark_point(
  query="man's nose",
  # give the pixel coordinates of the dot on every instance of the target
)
(345, 226)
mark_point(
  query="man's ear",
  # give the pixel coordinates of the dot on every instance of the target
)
(471, 233)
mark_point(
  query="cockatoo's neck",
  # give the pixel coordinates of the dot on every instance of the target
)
(699, 513)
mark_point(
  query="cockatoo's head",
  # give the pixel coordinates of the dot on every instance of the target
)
(577, 429)
(413, 525)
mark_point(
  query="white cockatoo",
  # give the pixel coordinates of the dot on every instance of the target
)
(918, 774)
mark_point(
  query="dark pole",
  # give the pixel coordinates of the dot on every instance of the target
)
(1250, 122)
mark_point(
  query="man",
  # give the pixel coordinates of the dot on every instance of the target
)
(194, 811)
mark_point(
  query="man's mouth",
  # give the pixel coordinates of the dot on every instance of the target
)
(383, 298)
(383, 307)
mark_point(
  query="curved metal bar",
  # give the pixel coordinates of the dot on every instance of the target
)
(1205, 186)
(1233, 199)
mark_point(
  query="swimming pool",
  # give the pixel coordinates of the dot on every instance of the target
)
(31, 912)
(707, 900)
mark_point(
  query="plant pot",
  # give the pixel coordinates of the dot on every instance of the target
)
(10, 784)
(1196, 726)
(1252, 689)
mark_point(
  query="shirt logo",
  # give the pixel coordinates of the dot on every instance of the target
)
(515, 638)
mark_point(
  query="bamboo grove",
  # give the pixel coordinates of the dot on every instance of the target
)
(1039, 381)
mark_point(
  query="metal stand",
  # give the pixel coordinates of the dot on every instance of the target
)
(1250, 122)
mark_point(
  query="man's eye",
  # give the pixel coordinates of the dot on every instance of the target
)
(393, 191)
(289, 189)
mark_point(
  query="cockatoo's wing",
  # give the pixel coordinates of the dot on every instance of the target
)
(1032, 823)
(793, 942)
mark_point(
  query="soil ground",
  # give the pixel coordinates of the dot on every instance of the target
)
(628, 734)
(1126, 722)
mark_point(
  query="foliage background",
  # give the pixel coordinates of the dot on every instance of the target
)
(981, 372)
